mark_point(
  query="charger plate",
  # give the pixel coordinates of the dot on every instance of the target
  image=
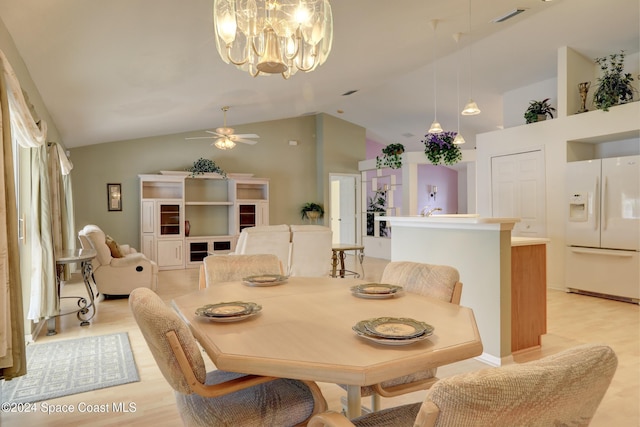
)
(264, 280)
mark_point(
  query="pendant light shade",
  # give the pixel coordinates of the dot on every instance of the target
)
(470, 108)
(458, 140)
(435, 127)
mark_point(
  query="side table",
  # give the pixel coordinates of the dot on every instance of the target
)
(86, 309)
(338, 255)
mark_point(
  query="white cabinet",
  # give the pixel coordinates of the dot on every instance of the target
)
(216, 211)
(170, 253)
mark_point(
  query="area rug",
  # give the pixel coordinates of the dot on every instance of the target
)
(62, 368)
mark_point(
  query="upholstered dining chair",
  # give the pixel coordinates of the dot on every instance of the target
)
(310, 250)
(437, 281)
(227, 268)
(217, 398)
(564, 389)
(266, 239)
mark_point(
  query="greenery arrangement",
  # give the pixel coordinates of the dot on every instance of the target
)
(202, 166)
(377, 206)
(538, 108)
(311, 211)
(440, 149)
(614, 86)
(391, 157)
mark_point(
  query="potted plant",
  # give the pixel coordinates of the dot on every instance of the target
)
(377, 206)
(440, 149)
(202, 166)
(614, 86)
(538, 111)
(311, 211)
(391, 156)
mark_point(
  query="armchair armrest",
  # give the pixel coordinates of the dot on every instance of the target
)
(331, 419)
(129, 260)
(404, 388)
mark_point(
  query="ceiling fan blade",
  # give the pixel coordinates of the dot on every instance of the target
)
(246, 135)
(219, 135)
(245, 141)
(201, 137)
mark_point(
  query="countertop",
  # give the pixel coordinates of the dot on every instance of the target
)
(528, 241)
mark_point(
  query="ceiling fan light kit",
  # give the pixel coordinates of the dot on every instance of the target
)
(265, 37)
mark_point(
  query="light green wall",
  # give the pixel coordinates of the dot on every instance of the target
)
(297, 173)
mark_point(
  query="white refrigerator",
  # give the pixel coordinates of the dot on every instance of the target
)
(603, 227)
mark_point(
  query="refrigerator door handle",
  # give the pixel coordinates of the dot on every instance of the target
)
(595, 251)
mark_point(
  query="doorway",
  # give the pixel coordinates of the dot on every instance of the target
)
(344, 210)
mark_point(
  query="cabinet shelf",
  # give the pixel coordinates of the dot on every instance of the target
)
(208, 203)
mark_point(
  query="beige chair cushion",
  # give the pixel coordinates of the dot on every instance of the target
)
(267, 239)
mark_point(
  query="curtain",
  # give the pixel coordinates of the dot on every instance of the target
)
(12, 352)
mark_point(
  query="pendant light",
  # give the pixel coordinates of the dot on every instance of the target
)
(458, 140)
(471, 108)
(435, 126)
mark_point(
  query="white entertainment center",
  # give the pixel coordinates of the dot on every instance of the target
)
(184, 218)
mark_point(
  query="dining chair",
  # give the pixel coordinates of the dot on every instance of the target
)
(564, 389)
(266, 239)
(218, 397)
(437, 281)
(228, 268)
(310, 250)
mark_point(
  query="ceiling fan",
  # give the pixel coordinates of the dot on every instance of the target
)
(225, 138)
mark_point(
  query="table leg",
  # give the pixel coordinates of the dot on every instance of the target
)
(353, 401)
(334, 264)
(342, 268)
(51, 322)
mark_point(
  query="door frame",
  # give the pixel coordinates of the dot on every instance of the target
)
(358, 208)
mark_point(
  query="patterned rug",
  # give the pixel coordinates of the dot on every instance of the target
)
(61, 368)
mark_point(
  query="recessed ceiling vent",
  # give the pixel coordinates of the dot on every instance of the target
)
(349, 92)
(508, 15)
(408, 135)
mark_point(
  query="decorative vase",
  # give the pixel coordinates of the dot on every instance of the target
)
(583, 88)
(313, 215)
(187, 228)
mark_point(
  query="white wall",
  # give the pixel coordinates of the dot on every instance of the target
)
(619, 123)
(515, 102)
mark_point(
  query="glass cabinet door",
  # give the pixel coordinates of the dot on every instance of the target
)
(169, 219)
(247, 214)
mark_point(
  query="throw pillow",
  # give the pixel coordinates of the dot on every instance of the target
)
(113, 247)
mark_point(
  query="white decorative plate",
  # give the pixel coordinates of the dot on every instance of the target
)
(375, 290)
(228, 311)
(264, 280)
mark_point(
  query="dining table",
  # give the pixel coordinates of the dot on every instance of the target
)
(304, 331)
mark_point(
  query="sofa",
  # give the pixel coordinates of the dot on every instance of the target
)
(117, 268)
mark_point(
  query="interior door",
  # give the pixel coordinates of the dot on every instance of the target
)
(343, 208)
(518, 191)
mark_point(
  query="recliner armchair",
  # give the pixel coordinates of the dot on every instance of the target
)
(117, 275)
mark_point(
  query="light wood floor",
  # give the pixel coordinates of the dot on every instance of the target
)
(572, 319)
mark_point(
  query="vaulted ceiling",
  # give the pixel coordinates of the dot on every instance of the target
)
(123, 69)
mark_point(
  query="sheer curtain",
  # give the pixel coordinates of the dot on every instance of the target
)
(18, 118)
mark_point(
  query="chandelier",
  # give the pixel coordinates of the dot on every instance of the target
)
(266, 37)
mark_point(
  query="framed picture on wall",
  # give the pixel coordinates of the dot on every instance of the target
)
(114, 197)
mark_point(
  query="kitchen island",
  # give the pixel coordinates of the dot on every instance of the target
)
(481, 249)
